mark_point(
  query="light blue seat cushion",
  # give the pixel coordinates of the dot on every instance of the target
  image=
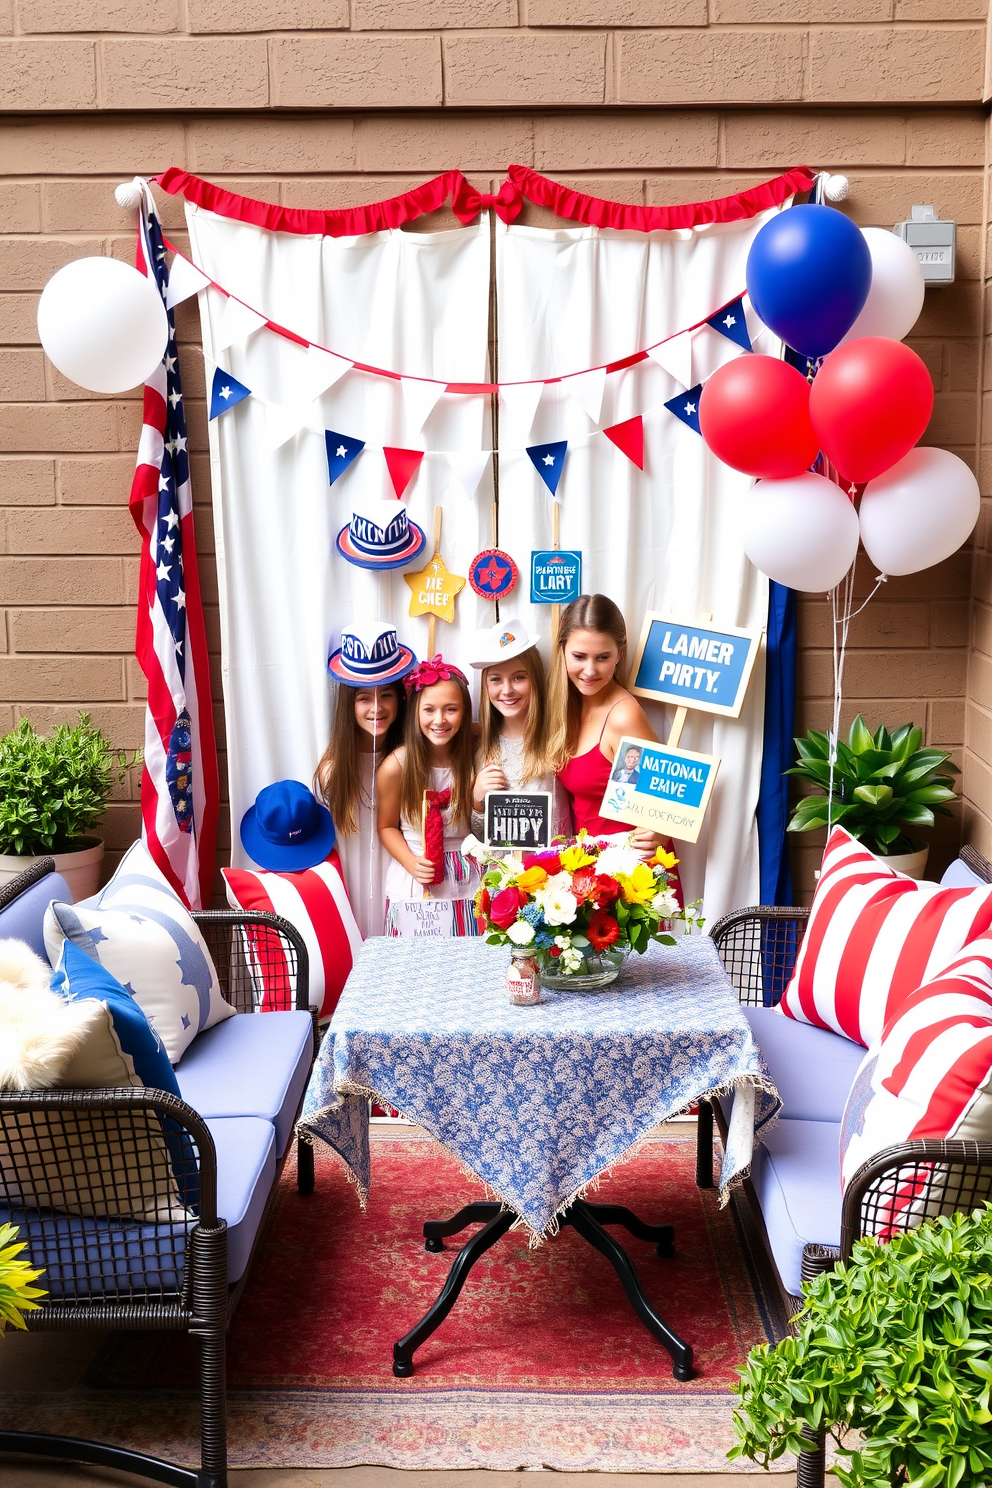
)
(254, 1064)
(796, 1177)
(84, 1257)
(25, 918)
(813, 1068)
(958, 875)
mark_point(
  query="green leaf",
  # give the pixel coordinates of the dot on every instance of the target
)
(859, 738)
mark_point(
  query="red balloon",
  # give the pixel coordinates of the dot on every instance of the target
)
(754, 415)
(870, 402)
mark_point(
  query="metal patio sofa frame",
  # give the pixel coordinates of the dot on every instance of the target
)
(184, 1264)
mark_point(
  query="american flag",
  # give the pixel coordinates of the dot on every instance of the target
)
(179, 786)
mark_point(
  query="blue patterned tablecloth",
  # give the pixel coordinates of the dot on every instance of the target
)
(537, 1101)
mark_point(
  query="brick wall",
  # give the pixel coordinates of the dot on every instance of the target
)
(887, 91)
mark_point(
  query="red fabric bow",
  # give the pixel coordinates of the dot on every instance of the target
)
(426, 673)
(434, 831)
(467, 203)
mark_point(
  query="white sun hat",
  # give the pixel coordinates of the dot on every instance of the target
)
(500, 642)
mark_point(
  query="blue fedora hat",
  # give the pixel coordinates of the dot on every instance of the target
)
(287, 828)
(380, 535)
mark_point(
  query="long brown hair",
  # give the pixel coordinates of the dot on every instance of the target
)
(535, 727)
(589, 612)
(338, 777)
(417, 763)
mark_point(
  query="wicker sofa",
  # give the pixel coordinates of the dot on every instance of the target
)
(242, 1083)
(794, 1187)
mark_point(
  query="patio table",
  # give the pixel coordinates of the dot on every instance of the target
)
(537, 1101)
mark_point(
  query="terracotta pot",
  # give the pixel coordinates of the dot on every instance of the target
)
(80, 868)
(913, 864)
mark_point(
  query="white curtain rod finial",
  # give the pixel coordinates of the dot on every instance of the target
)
(128, 195)
(836, 188)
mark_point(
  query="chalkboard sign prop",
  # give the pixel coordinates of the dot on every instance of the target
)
(518, 819)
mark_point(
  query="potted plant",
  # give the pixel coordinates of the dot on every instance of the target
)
(52, 790)
(17, 1295)
(896, 1346)
(883, 783)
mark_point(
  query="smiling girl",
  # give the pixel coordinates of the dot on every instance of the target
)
(432, 768)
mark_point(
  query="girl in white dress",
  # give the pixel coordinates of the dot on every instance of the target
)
(369, 711)
(512, 752)
(425, 798)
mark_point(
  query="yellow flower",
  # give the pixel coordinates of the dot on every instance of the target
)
(664, 859)
(532, 878)
(638, 887)
(576, 857)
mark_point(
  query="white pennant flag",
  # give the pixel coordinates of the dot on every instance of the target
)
(419, 401)
(280, 423)
(321, 371)
(518, 407)
(236, 324)
(587, 390)
(185, 280)
(675, 356)
(469, 466)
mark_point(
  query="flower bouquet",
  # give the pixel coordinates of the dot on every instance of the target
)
(581, 908)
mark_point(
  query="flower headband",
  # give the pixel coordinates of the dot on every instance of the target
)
(426, 673)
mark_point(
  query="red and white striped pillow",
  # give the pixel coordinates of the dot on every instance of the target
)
(929, 1075)
(315, 902)
(873, 936)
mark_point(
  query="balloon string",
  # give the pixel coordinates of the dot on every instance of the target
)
(841, 623)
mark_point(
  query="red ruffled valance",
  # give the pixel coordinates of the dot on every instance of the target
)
(521, 183)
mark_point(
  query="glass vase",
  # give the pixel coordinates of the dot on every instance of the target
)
(598, 969)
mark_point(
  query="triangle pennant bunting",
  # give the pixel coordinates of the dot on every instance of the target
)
(629, 437)
(675, 357)
(282, 423)
(321, 371)
(185, 280)
(549, 461)
(686, 407)
(730, 322)
(236, 324)
(225, 392)
(469, 467)
(519, 402)
(403, 465)
(419, 401)
(587, 390)
(341, 451)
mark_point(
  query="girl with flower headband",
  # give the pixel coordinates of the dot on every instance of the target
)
(433, 767)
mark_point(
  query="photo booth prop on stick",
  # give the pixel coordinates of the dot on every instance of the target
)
(664, 789)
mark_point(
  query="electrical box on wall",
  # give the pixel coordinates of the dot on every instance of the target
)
(934, 241)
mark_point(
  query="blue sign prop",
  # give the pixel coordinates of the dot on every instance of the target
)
(694, 665)
(555, 576)
(666, 790)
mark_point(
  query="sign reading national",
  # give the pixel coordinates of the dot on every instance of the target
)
(555, 576)
(694, 665)
(518, 819)
(665, 789)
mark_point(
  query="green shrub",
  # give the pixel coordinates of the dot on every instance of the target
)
(54, 788)
(896, 1345)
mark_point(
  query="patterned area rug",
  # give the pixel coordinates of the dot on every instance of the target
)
(541, 1363)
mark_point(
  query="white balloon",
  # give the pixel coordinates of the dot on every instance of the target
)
(919, 512)
(897, 288)
(802, 531)
(103, 324)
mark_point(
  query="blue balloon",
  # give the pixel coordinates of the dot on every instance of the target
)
(808, 276)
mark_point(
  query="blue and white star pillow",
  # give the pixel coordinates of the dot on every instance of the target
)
(139, 929)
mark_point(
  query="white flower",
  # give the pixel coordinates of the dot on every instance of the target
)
(558, 883)
(557, 905)
(571, 960)
(520, 933)
(615, 860)
(665, 904)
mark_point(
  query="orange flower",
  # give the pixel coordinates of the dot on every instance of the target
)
(532, 878)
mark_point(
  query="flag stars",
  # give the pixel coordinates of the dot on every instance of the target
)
(172, 520)
(170, 364)
(180, 599)
(729, 320)
(549, 460)
(175, 398)
(168, 543)
(340, 452)
(163, 571)
(163, 482)
(690, 408)
(225, 392)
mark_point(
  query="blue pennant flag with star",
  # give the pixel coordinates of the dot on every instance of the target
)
(686, 407)
(341, 450)
(225, 392)
(730, 322)
(549, 462)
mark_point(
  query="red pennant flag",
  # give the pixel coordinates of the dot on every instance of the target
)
(403, 466)
(629, 437)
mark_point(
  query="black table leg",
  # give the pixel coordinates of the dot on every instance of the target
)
(436, 1229)
(582, 1219)
(404, 1350)
(662, 1235)
(704, 1145)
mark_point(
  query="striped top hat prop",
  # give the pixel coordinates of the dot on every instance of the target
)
(381, 535)
(370, 656)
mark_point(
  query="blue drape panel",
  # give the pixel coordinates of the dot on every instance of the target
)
(773, 797)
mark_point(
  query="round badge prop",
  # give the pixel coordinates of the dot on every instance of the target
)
(493, 573)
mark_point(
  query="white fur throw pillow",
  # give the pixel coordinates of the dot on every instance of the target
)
(39, 1031)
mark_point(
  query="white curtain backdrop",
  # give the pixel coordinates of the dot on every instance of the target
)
(664, 539)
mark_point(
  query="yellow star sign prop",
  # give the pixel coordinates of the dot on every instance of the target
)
(433, 590)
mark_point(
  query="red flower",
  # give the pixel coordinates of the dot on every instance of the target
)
(602, 930)
(550, 862)
(554, 952)
(484, 902)
(606, 891)
(583, 883)
(504, 907)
